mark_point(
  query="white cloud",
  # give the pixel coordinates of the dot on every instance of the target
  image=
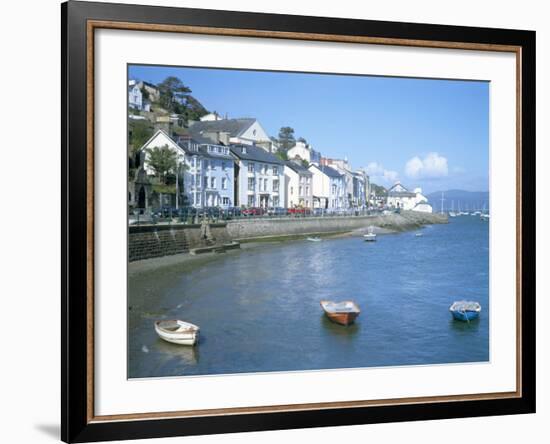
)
(432, 166)
(381, 176)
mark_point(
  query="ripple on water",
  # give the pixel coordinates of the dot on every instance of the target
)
(259, 309)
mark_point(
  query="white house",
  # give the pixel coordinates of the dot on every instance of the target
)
(298, 185)
(304, 151)
(300, 151)
(243, 131)
(135, 97)
(210, 117)
(401, 197)
(361, 189)
(210, 173)
(328, 187)
(207, 169)
(260, 178)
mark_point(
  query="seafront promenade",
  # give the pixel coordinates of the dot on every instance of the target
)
(150, 241)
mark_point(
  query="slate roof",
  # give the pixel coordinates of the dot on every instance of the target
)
(298, 167)
(406, 193)
(401, 194)
(235, 127)
(203, 151)
(255, 153)
(329, 171)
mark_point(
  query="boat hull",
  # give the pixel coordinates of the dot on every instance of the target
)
(187, 337)
(369, 237)
(465, 316)
(342, 318)
(188, 340)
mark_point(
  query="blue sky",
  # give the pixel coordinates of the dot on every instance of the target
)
(428, 133)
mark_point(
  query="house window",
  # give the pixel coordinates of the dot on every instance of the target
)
(206, 182)
(275, 201)
(250, 167)
(224, 166)
(275, 171)
(224, 183)
(333, 189)
(225, 201)
(307, 191)
(265, 184)
(251, 201)
(276, 185)
(250, 184)
(291, 190)
(301, 190)
(212, 182)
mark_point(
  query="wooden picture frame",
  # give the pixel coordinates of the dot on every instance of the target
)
(79, 22)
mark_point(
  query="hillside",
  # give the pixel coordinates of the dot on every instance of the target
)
(465, 200)
(378, 190)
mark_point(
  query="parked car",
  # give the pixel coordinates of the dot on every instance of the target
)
(299, 211)
(212, 212)
(319, 211)
(232, 212)
(165, 212)
(277, 211)
(253, 211)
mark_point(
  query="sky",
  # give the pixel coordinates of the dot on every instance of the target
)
(426, 133)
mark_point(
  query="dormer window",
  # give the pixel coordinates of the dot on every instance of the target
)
(244, 150)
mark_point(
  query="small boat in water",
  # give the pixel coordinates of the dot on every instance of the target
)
(465, 310)
(177, 332)
(418, 234)
(343, 313)
(314, 239)
(370, 236)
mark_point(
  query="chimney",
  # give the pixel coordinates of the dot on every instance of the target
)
(223, 137)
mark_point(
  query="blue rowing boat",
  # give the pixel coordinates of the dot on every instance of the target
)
(465, 311)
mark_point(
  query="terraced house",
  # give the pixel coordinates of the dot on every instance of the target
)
(259, 177)
(329, 188)
(209, 176)
(298, 185)
(207, 169)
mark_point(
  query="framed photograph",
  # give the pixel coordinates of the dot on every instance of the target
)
(275, 221)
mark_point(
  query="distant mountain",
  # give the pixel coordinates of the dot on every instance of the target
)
(465, 200)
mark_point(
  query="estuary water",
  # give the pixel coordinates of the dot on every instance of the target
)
(258, 309)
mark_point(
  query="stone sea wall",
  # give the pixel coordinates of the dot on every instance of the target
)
(246, 229)
(150, 241)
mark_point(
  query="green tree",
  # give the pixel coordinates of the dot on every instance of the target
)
(301, 139)
(140, 131)
(286, 138)
(173, 93)
(163, 161)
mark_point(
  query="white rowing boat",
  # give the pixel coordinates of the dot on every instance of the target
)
(177, 332)
(370, 236)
